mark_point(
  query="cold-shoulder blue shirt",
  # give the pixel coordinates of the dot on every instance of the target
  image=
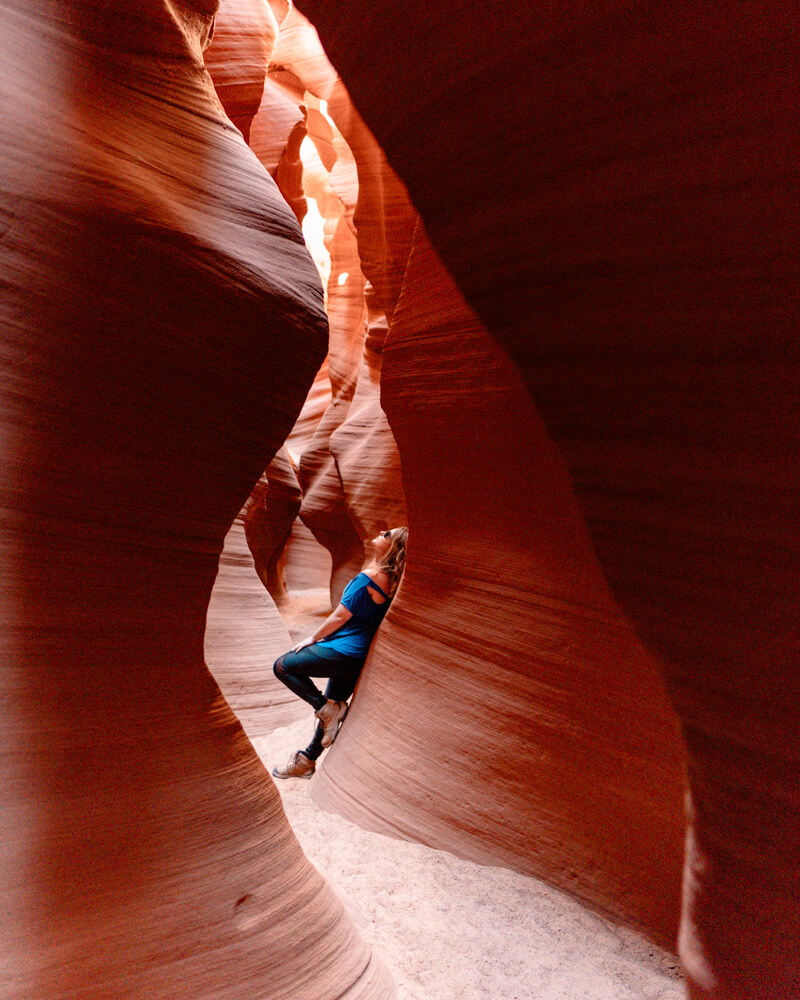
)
(353, 638)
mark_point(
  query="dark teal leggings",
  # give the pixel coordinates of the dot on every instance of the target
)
(295, 670)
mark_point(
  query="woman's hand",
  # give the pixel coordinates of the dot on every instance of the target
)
(302, 645)
(332, 623)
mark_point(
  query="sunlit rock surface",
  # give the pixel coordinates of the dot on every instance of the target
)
(614, 192)
(245, 34)
(615, 196)
(350, 471)
(515, 604)
(324, 508)
(161, 324)
(364, 447)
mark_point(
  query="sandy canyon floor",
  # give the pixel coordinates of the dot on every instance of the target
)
(448, 928)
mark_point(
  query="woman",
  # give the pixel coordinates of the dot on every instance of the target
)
(338, 648)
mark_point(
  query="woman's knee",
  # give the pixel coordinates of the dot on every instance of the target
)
(278, 668)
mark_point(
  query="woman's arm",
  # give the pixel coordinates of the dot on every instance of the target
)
(334, 621)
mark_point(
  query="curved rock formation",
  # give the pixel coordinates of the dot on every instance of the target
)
(484, 477)
(268, 518)
(161, 323)
(341, 509)
(623, 223)
(528, 727)
(244, 633)
(324, 508)
(245, 33)
(363, 446)
(350, 472)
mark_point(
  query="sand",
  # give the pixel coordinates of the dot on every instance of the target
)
(452, 930)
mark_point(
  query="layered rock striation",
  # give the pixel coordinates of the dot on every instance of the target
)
(161, 324)
(350, 488)
(528, 726)
(624, 225)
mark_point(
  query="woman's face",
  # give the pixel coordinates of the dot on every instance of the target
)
(381, 543)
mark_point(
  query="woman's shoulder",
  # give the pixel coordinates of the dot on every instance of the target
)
(367, 578)
(378, 577)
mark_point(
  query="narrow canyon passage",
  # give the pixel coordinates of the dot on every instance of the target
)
(563, 812)
(520, 279)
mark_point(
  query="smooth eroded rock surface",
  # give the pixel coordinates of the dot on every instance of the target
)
(161, 324)
(625, 223)
(244, 636)
(524, 724)
(350, 471)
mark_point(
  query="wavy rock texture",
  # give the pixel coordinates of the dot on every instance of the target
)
(364, 447)
(323, 508)
(268, 518)
(625, 223)
(354, 490)
(245, 34)
(384, 217)
(528, 726)
(484, 477)
(162, 322)
(277, 116)
(350, 471)
(245, 634)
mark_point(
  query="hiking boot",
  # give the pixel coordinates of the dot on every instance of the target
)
(331, 715)
(298, 766)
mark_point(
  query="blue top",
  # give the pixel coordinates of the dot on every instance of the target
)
(353, 638)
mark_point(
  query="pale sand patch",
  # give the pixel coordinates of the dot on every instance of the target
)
(453, 930)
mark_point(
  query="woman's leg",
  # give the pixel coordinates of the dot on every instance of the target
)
(338, 689)
(295, 670)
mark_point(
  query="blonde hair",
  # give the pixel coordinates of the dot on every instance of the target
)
(393, 561)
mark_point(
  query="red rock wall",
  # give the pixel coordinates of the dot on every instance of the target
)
(161, 323)
(363, 446)
(324, 507)
(245, 34)
(244, 636)
(350, 472)
(479, 466)
(244, 630)
(308, 564)
(268, 517)
(485, 478)
(624, 222)
(528, 726)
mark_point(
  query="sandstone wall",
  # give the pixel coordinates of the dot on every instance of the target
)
(350, 472)
(244, 635)
(244, 38)
(515, 736)
(161, 324)
(527, 725)
(624, 221)
(351, 489)
(244, 632)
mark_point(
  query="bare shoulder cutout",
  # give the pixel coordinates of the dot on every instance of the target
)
(376, 595)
